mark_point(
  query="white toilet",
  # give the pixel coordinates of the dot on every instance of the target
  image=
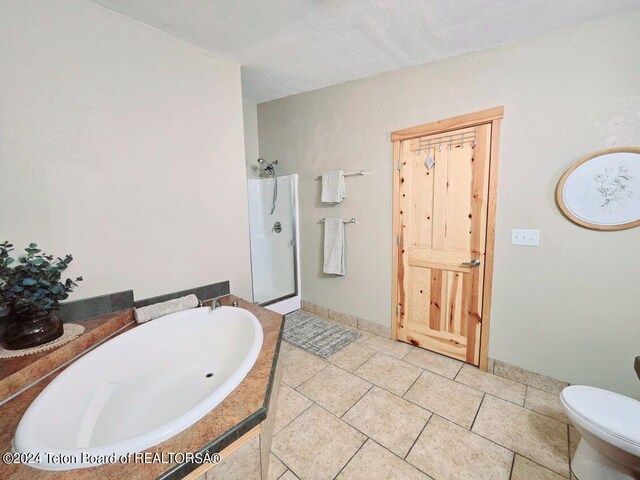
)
(610, 427)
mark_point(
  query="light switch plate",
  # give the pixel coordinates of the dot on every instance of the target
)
(529, 238)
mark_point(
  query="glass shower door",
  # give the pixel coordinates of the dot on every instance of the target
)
(273, 248)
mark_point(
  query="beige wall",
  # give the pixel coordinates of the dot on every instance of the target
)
(566, 309)
(121, 145)
(251, 151)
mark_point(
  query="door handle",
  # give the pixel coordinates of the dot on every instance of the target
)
(473, 263)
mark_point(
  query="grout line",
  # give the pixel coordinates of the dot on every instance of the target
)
(402, 459)
(406, 354)
(296, 417)
(348, 461)
(305, 381)
(569, 448)
(513, 463)
(476, 433)
(542, 466)
(416, 440)
(458, 373)
(447, 419)
(357, 402)
(410, 387)
(477, 412)
(286, 466)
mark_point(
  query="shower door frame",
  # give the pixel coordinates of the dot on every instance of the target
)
(287, 303)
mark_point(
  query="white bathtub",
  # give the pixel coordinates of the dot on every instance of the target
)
(140, 388)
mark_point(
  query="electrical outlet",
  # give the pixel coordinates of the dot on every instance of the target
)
(529, 238)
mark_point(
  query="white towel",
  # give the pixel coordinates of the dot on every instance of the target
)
(144, 314)
(333, 187)
(333, 246)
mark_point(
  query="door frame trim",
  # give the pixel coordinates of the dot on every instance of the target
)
(493, 116)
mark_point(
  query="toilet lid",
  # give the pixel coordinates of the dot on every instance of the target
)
(614, 413)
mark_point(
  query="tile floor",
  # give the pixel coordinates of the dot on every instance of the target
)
(384, 410)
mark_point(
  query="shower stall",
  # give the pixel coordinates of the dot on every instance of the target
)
(273, 227)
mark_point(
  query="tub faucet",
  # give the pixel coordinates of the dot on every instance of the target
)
(216, 304)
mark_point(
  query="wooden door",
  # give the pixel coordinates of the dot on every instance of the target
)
(442, 219)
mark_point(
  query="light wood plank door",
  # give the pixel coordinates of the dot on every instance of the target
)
(442, 232)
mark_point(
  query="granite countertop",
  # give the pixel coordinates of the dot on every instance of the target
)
(242, 410)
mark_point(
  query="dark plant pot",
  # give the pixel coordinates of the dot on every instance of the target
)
(30, 332)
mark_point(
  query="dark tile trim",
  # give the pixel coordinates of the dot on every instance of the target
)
(272, 375)
(230, 436)
(219, 444)
(78, 310)
(205, 292)
(94, 306)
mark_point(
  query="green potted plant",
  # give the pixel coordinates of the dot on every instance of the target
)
(31, 291)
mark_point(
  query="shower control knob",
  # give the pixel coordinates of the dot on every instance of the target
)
(277, 227)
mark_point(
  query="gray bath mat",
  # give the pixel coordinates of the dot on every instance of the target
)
(316, 335)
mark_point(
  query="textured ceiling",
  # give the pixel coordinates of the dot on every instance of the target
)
(292, 46)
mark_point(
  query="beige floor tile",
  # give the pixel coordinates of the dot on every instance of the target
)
(316, 445)
(244, 464)
(539, 438)
(574, 439)
(364, 336)
(445, 366)
(276, 468)
(388, 346)
(288, 475)
(373, 461)
(335, 389)
(352, 356)
(535, 380)
(388, 419)
(525, 469)
(449, 399)
(545, 403)
(285, 347)
(299, 366)
(389, 373)
(446, 451)
(290, 405)
(489, 383)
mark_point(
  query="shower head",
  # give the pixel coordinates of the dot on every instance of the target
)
(267, 167)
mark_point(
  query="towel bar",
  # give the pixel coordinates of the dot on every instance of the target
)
(352, 220)
(349, 174)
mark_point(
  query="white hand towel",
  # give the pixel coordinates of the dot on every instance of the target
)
(333, 246)
(333, 187)
(144, 314)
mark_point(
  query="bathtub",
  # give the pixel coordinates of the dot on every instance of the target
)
(140, 388)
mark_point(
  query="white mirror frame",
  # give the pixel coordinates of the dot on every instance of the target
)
(564, 200)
